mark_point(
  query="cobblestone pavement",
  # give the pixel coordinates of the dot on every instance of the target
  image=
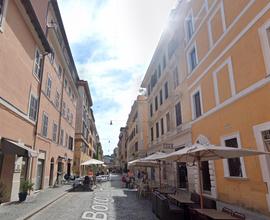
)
(108, 201)
(34, 202)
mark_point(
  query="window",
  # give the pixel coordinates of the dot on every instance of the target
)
(151, 109)
(64, 109)
(68, 114)
(156, 103)
(157, 130)
(149, 89)
(162, 126)
(65, 83)
(136, 146)
(66, 141)
(69, 91)
(2, 4)
(37, 65)
(189, 26)
(192, 59)
(166, 90)
(52, 56)
(175, 78)
(164, 62)
(152, 134)
(70, 143)
(178, 116)
(57, 97)
(266, 139)
(59, 72)
(160, 97)
(54, 132)
(71, 118)
(264, 33)
(44, 128)
(49, 87)
(73, 98)
(197, 105)
(159, 71)
(234, 165)
(61, 137)
(168, 122)
(33, 108)
(172, 46)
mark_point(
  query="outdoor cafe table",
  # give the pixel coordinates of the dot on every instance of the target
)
(215, 214)
(182, 198)
(165, 191)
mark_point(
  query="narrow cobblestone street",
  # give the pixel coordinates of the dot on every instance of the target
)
(108, 201)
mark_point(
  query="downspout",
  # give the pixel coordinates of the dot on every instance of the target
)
(39, 95)
(38, 110)
(60, 111)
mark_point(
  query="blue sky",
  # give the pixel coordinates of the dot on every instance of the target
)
(112, 42)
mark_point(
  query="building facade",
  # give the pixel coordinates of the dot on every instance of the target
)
(23, 47)
(168, 104)
(84, 148)
(137, 129)
(227, 62)
(205, 84)
(57, 111)
(122, 148)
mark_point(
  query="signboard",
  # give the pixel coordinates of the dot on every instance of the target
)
(168, 146)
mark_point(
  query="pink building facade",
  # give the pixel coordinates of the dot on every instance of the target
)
(22, 48)
(38, 96)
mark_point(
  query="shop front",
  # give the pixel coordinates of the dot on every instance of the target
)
(15, 158)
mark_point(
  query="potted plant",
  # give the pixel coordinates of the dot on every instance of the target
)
(26, 186)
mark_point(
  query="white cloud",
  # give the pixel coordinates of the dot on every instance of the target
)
(129, 31)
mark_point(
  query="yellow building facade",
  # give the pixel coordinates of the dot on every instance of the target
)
(227, 63)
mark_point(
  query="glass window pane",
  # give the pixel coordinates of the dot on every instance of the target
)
(234, 164)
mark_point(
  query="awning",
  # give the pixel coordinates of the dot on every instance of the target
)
(12, 147)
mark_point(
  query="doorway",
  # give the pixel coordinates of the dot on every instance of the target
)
(59, 172)
(182, 175)
(206, 176)
(68, 168)
(39, 178)
(51, 172)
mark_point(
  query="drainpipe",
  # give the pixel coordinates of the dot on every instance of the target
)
(38, 110)
(39, 95)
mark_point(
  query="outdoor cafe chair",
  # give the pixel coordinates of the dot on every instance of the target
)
(168, 210)
(227, 210)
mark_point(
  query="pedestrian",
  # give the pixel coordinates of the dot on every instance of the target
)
(123, 180)
(139, 174)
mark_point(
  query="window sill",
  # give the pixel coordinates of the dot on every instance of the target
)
(236, 178)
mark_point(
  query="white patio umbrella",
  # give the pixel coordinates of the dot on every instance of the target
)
(142, 163)
(156, 157)
(92, 162)
(199, 153)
